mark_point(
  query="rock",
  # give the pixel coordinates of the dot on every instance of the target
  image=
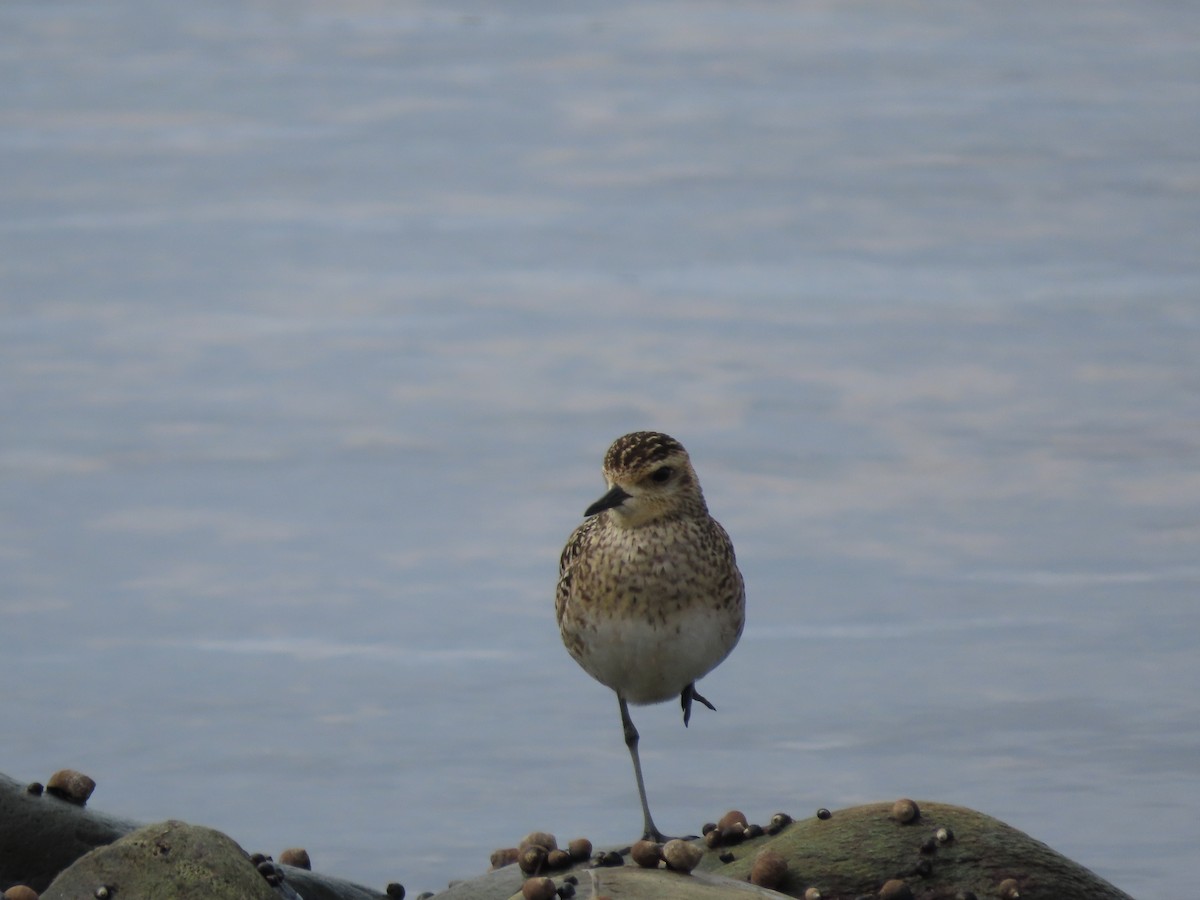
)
(40, 836)
(851, 854)
(856, 850)
(635, 883)
(170, 859)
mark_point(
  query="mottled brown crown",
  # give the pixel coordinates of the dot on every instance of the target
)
(640, 449)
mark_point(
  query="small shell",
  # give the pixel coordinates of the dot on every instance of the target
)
(540, 838)
(609, 858)
(538, 889)
(812, 894)
(533, 859)
(708, 826)
(734, 834)
(35, 788)
(895, 890)
(733, 817)
(824, 814)
(72, 786)
(768, 870)
(1009, 889)
(504, 857)
(296, 857)
(943, 835)
(558, 859)
(580, 849)
(905, 811)
(647, 854)
(712, 839)
(682, 856)
(395, 889)
(753, 831)
(781, 819)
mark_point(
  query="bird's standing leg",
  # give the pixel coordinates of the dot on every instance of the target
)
(650, 832)
(685, 700)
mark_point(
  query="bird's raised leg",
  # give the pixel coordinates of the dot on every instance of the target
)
(649, 831)
(685, 700)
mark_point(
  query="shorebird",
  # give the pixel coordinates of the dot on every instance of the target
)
(649, 596)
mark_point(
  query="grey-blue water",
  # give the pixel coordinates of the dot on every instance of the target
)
(318, 317)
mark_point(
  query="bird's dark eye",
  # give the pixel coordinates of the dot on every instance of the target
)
(661, 474)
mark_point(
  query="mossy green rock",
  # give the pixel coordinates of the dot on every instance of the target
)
(856, 850)
(168, 860)
(632, 882)
(851, 854)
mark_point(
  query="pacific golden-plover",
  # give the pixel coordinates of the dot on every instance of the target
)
(649, 597)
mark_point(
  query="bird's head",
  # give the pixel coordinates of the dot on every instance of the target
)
(650, 478)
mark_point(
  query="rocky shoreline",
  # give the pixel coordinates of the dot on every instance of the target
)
(53, 847)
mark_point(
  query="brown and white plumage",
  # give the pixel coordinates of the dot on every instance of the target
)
(649, 596)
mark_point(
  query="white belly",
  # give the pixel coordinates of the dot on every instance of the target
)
(650, 663)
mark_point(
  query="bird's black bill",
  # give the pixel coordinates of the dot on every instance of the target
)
(615, 497)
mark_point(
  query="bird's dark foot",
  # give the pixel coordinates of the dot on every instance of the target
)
(685, 700)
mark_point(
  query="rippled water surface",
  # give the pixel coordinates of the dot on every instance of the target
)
(318, 317)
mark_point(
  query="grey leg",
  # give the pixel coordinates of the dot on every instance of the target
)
(649, 832)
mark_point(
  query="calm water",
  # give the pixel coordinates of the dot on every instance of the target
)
(318, 317)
